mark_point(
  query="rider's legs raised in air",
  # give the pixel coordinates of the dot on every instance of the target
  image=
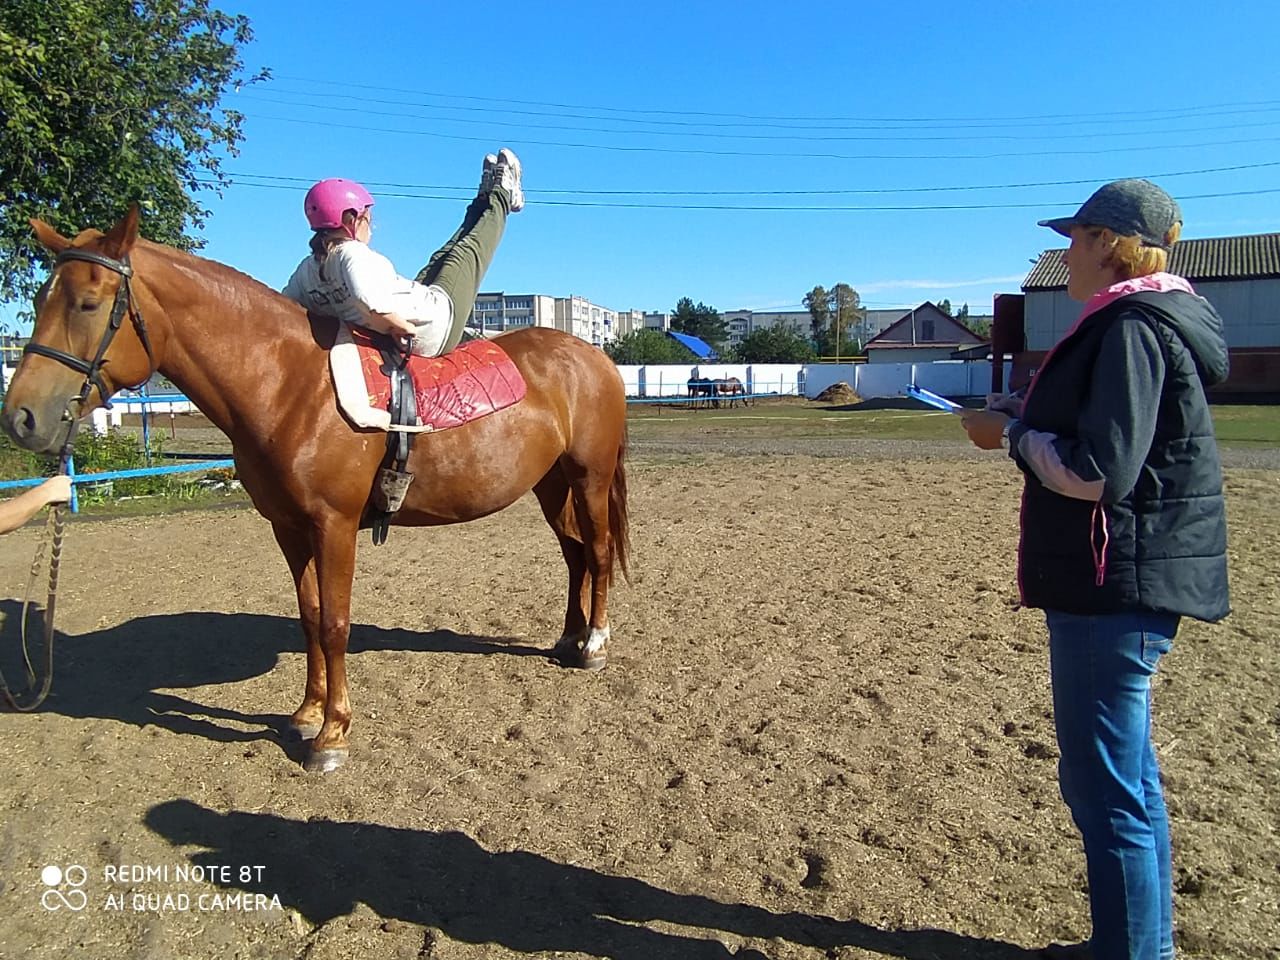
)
(460, 264)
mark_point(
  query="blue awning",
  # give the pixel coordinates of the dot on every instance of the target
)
(701, 349)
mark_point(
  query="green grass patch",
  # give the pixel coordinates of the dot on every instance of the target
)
(122, 450)
(1247, 425)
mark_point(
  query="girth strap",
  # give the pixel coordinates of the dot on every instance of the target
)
(393, 481)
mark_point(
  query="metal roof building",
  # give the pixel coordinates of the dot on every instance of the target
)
(701, 349)
(1240, 276)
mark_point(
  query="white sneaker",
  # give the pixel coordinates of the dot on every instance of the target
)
(487, 176)
(506, 174)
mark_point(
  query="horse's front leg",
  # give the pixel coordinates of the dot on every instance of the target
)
(298, 553)
(335, 563)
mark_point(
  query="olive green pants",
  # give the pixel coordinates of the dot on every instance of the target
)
(459, 265)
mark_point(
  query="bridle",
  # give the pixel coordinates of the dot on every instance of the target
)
(92, 369)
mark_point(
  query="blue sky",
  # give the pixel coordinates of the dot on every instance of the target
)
(699, 106)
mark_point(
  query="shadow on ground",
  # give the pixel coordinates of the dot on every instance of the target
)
(118, 673)
(523, 901)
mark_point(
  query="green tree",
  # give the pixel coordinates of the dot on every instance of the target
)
(980, 327)
(836, 319)
(781, 343)
(108, 102)
(648, 346)
(945, 307)
(818, 302)
(846, 319)
(701, 321)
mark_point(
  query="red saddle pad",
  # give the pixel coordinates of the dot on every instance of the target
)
(470, 382)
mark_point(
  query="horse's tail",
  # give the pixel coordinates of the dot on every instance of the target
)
(619, 525)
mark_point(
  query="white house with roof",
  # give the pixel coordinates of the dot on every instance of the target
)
(922, 334)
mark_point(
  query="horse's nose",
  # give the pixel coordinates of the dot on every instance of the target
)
(19, 423)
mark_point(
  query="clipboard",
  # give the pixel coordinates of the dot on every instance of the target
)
(932, 399)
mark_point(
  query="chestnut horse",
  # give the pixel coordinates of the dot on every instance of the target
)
(731, 387)
(255, 365)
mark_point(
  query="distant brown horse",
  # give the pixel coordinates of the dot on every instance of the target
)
(250, 360)
(732, 388)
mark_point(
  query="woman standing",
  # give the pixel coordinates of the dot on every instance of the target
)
(1123, 532)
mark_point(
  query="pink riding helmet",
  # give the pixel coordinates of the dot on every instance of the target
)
(329, 199)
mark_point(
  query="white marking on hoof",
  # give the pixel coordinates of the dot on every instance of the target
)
(596, 641)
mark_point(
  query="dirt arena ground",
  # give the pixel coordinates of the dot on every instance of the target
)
(824, 732)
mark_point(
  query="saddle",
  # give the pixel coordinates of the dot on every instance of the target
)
(405, 394)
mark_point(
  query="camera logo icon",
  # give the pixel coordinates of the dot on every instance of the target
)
(63, 888)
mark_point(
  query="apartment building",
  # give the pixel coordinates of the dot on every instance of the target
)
(742, 323)
(499, 312)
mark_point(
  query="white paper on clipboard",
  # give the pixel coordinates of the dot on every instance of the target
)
(932, 399)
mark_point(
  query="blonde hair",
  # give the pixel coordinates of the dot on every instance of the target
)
(1129, 257)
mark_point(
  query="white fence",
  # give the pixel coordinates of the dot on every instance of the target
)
(672, 380)
(951, 378)
(102, 418)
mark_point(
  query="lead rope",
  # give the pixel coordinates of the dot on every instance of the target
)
(54, 527)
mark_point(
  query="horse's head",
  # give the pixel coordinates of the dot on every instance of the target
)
(75, 361)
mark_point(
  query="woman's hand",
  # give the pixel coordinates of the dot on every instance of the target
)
(392, 324)
(985, 428)
(398, 326)
(1010, 403)
(56, 489)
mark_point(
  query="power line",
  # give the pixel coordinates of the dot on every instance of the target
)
(1156, 112)
(364, 110)
(769, 155)
(774, 193)
(765, 207)
(702, 122)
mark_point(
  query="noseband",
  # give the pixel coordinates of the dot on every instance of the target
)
(123, 303)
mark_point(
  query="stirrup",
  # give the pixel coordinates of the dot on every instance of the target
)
(390, 489)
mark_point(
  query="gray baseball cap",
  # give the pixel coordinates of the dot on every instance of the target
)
(1127, 207)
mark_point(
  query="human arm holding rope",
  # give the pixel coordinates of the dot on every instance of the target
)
(17, 511)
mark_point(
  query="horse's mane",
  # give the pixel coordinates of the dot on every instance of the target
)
(214, 272)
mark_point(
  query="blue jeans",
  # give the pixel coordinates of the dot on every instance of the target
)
(1102, 668)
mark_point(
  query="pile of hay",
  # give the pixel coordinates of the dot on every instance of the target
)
(839, 392)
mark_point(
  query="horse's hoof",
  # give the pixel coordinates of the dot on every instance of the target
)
(303, 731)
(573, 656)
(587, 652)
(326, 761)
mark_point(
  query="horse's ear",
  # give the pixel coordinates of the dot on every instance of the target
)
(121, 238)
(50, 237)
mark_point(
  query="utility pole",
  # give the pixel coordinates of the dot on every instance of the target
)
(836, 321)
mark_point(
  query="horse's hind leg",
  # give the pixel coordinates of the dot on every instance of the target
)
(306, 720)
(556, 499)
(590, 485)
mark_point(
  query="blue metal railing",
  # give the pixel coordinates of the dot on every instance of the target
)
(78, 478)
